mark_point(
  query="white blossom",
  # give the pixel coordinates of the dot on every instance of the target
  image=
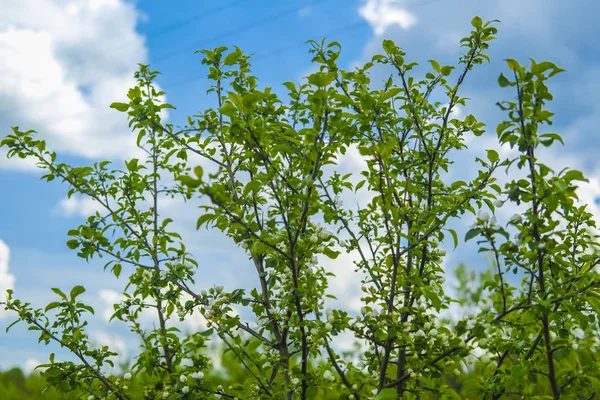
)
(198, 375)
(183, 379)
(498, 203)
(483, 216)
(338, 202)
(328, 375)
(127, 376)
(165, 395)
(185, 389)
(578, 332)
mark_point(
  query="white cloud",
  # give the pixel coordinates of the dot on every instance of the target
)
(78, 206)
(7, 280)
(17, 164)
(68, 61)
(30, 364)
(114, 342)
(382, 14)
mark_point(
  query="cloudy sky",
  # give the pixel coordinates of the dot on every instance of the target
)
(62, 62)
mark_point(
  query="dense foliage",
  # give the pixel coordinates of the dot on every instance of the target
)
(531, 334)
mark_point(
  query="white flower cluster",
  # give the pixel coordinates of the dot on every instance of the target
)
(483, 219)
(328, 376)
(338, 202)
(147, 276)
(369, 313)
(320, 234)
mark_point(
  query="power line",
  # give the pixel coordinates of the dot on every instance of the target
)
(233, 32)
(193, 18)
(343, 29)
(173, 26)
(247, 27)
(264, 56)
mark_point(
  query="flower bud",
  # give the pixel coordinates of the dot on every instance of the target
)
(483, 216)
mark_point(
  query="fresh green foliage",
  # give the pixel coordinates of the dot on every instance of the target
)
(269, 188)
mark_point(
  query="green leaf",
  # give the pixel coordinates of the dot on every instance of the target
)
(231, 58)
(189, 181)
(595, 303)
(228, 109)
(198, 172)
(321, 79)
(561, 353)
(204, 219)
(447, 70)
(574, 175)
(331, 253)
(290, 86)
(73, 244)
(207, 332)
(503, 81)
(388, 393)
(493, 155)
(454, 237)
(391, 93)
(512, 64)
(52, 306)
(117, 270)
(435, 65)
(472, 233)
(60, 293)
(120, 106)
(477, 22)
(132, 165)
(389, 46)
(76, 291)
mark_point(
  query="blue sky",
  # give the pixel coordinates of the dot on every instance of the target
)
(62, 62)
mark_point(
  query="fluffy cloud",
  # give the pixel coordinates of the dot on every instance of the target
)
(30, 365)
(78, 206)
(6, 279)
(68, 61)
(382, 14)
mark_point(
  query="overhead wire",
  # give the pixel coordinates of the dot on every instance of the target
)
(260, 57)
(224, 35)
